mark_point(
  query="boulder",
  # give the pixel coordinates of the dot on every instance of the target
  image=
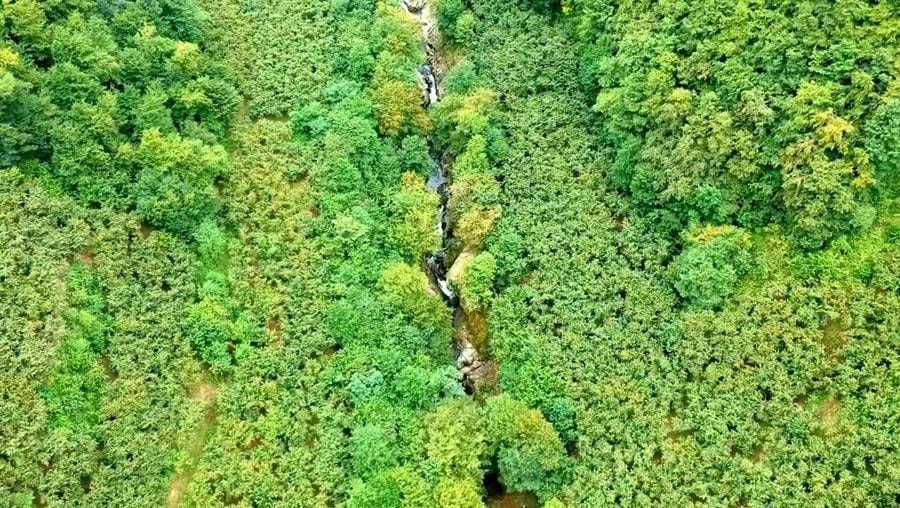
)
(414, 5)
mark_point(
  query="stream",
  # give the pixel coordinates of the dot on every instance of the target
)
(468, 359)
(474, 366)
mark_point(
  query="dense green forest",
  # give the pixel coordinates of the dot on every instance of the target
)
(664, 269)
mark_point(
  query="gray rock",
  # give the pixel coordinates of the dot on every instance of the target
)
(414, 5)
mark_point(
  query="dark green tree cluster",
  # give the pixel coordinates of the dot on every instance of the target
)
(662, 293)
(748, 112)
(117, 104)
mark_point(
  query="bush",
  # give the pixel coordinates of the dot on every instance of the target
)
(707, 271)
(476, 287)
(211, 332)
(372, 450)
(458, 493)
(175, 176)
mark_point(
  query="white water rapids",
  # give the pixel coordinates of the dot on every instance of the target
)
(468, 359)
(437, 181)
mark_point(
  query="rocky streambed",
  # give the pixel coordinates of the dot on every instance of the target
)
(440, 265)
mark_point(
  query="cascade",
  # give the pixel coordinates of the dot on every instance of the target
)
(468, 360)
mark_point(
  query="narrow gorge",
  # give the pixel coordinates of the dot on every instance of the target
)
(471, 360)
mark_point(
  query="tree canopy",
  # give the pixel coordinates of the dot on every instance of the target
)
(670, 232)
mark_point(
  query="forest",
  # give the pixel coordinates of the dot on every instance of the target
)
(449, 253)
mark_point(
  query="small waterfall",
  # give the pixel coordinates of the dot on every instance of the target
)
(468, 359)
(437, 180)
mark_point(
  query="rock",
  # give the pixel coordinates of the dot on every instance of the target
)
(455, 273)
(470, 328)
(485, 379)
(467, 355)
(414, 5)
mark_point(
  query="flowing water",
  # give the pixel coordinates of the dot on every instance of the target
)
(467, 357)
(437, 181)
(469, 361)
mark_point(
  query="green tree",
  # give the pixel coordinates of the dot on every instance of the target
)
(456, 443)
(528, 452)
(175, 179)
(456, 493)
(707, 271)
(407, 288)
(412, 230)
(211, 332)
(476, 286)
(373, 450)
(883, 144)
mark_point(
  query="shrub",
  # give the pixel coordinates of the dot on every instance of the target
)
(707, 271)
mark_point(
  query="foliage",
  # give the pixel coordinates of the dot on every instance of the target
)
(882, 140)
(529, 454)
(683, 363)
(674, 223)
(458, 494)
(469, 126)
(477, 281)
(413, 208)
(769, 125)
(707, 271)
(174, 187)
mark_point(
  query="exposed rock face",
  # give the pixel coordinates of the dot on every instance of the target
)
(414, 6)
(467, 358)
(455, 273)
(479, 373)
(470, 328)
